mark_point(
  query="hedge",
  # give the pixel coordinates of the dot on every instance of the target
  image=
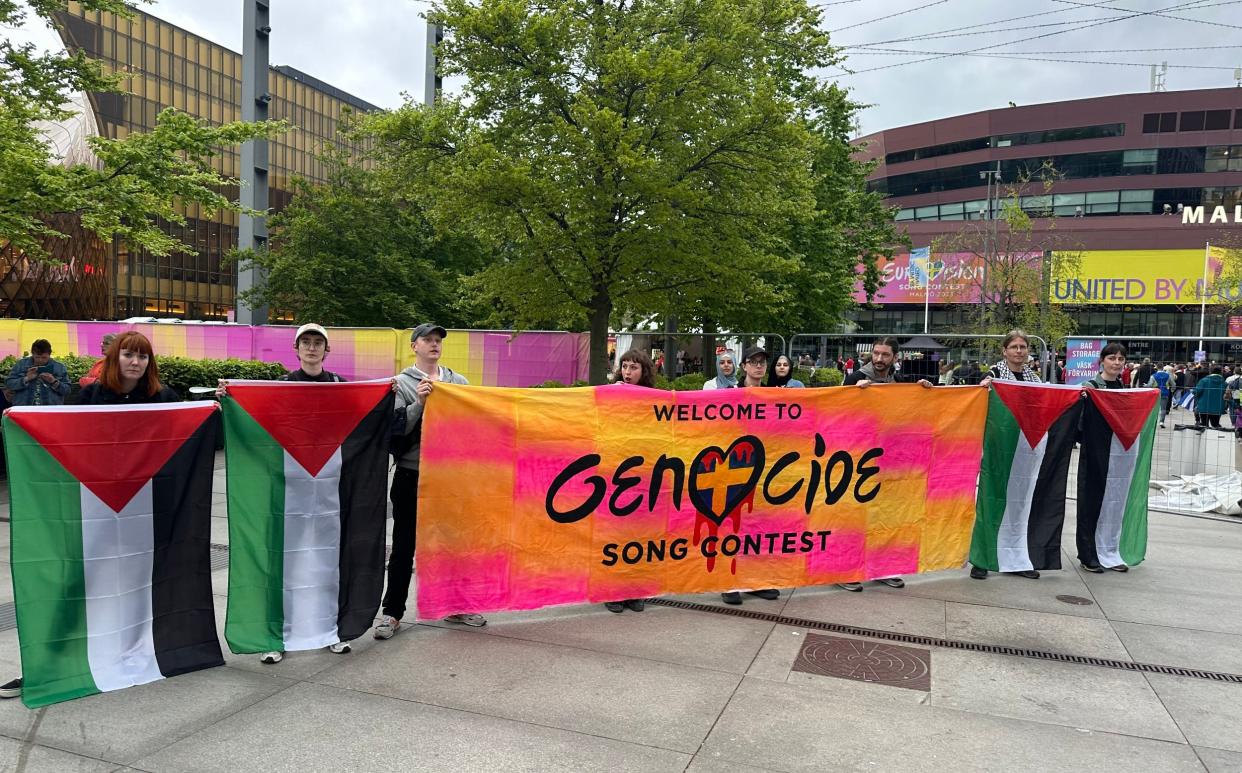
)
(180, 373)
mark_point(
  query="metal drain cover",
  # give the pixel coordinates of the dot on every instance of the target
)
(865, 661)
(1076, 600)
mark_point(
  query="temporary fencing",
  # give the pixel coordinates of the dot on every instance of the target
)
(920, 354)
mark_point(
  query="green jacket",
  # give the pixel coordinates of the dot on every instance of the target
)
(1210, 394)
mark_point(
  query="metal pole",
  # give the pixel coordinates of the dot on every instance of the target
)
(1207, 251)
(926, 290)
(252, 229)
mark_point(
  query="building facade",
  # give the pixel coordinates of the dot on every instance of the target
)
(165, 66)
(1135, 186)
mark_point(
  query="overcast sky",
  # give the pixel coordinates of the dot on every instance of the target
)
(372, 48)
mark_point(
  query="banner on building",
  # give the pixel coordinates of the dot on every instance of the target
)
(530, 498)
(111, 530)
(307, 486)
(1146, 277)
(954, 277)
(1082, 359)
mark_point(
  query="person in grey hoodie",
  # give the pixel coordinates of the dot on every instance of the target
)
(414, 385)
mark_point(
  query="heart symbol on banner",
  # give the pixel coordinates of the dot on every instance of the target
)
(728, 472)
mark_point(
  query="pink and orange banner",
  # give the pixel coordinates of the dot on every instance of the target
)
(530, 498)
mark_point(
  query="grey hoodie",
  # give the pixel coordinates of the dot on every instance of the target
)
(407, 383)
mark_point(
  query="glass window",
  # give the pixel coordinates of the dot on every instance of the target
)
(1139, 161)
(1168, 122)
(951, 209)
(921, 213)
(1216, 120)
(1101, 197)
(902, 214)
(1136, 207)
(1192, 121)
(1068, 199)
(1144, 196)
(1151, 123)
(1217, 159)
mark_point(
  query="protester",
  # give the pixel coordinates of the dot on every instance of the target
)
(1163, 380)
(311, 344)
(1210, 398)
(38, 379)
(1012, 367)
(726, 372)
(946, 373)
(93, 374)
(130, 376)
(754, 365)
(781, 374)
(879, 371)
(1112, 367)
(414, 384)
(1144, 373)
(636, 369)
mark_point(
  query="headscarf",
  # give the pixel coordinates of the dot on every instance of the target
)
(780, 381)
(723, 382)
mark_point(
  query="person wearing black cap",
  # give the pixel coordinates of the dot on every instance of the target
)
(414, 384)
(879, 371)
(754, 367)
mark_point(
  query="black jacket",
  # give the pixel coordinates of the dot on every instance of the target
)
(98, 394)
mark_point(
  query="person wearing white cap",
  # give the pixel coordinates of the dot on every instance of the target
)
(311, 344)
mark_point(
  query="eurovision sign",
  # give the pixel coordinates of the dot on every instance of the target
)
(529, 497)
(954, 277)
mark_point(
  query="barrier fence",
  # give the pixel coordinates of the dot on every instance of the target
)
(920, 354)
(485, 357)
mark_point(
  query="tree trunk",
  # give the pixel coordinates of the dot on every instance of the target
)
(709, 348)
(601, 310)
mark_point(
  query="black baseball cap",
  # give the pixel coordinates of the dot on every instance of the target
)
(754, 351)
(426, 329)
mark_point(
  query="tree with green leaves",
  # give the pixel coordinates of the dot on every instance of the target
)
(621, 155)
(348, 252)
(138, 181)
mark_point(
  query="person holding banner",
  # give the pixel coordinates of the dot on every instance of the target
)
(726, 372)
(782, 374)
(1013, 367)
(1112, 369)
(879, 370)
(754, 366)
(414, 386)
(635, 369)
(130, 376)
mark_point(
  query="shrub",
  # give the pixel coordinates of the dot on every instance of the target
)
(826, 377)
(181, 373)
(689, 382)
(552, 384)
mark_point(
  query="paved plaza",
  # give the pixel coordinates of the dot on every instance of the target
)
(692, 689)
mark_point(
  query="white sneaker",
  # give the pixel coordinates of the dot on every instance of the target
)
(271, 657)
(340, 648)
(474, 621)
(388, 626)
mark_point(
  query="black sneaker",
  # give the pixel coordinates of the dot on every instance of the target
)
(732, 597)
(1093, 568)
(11, 688)
(852, 587)
(638, 605)
(892, 582)
(615, 606)
(1030, 574)
(1120, 568)
(767, 594)
(978, 573)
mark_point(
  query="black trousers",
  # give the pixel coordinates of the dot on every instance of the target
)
(1208, 419)
(404, 497)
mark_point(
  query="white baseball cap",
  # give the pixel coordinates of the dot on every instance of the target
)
(309, 327)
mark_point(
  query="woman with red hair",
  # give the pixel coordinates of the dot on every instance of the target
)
(129, 376)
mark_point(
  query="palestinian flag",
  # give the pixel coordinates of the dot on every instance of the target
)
(307, 479)
(1114, 471)
(1020, 508)
(111, 529)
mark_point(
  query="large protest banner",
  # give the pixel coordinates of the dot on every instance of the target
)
(532, 497)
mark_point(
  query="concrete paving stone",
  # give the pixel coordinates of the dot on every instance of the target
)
(628, 699)
(751, 603)
(1034, 630)
(1056, 693)
(1209, 713)
(885, 609)
(788, 727)
(1167, 646)
(21, 757)
(1208, 608)
(1002, 590)
(659, 633)
(1220, 760)
(312, 727)
(124, 725)
(776, 658)
(703, 763)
